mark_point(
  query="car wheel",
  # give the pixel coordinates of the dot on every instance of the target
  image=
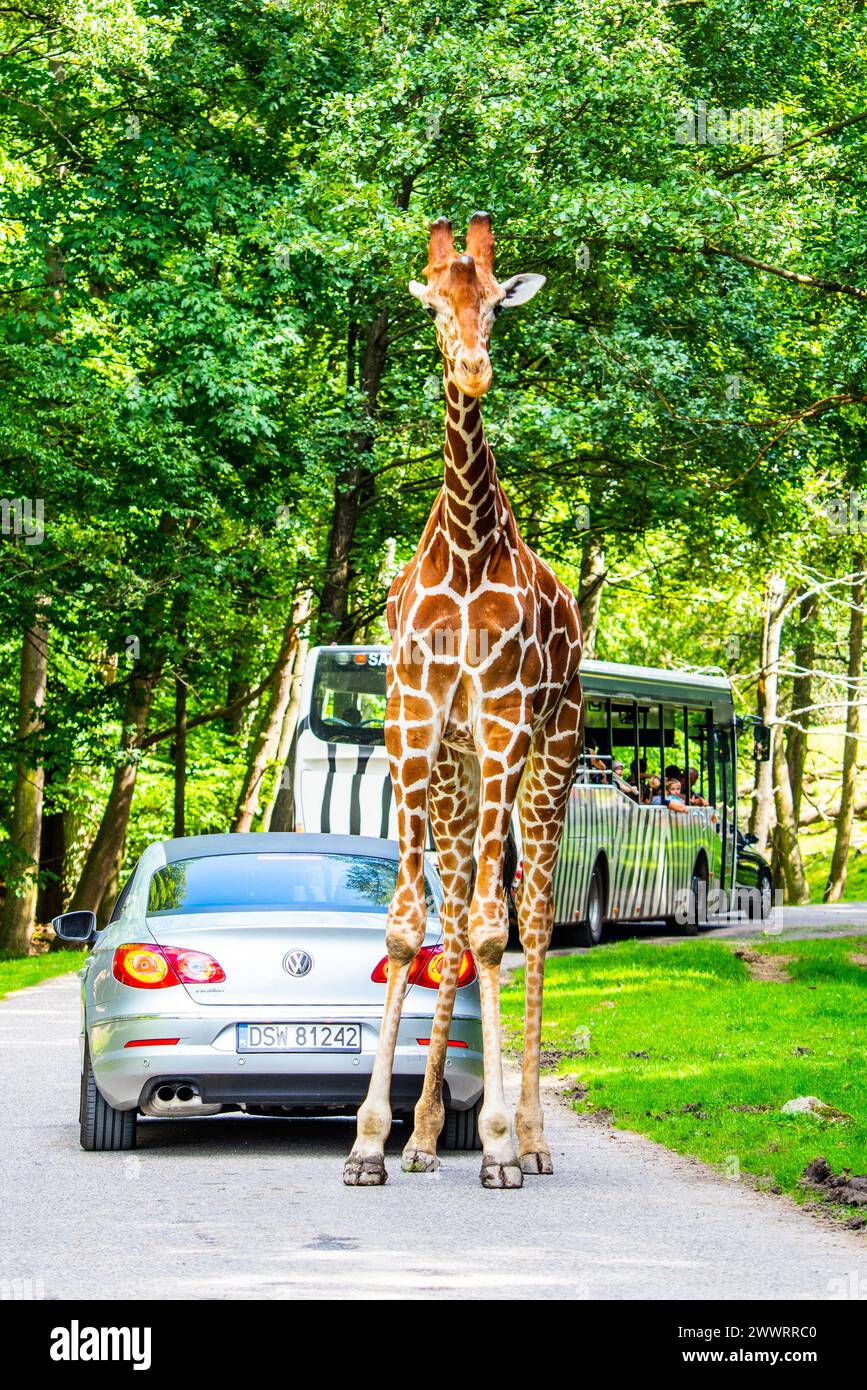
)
(760, 902)
(102, 1127)
(461, 1129)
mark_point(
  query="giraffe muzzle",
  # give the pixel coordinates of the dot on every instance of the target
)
(473, 373)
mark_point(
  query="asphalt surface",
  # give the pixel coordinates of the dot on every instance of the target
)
(245, 1208)
(786, 924)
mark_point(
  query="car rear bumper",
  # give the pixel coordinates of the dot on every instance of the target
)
(206, 1055)
(319, 1092)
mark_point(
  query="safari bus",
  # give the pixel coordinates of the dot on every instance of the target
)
(651, 827)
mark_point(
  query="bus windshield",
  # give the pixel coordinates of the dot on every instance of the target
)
(348, 703)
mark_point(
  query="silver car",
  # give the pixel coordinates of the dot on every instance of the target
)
(247, 972)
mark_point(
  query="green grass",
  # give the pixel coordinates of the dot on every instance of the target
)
(714, 1039)
(17, 972)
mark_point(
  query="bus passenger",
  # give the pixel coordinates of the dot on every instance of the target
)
(600, 771)
(694, 798)
(673, 798)
(620, 782)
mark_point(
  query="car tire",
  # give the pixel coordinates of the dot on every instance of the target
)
(102, 1128)
(461, 1129)
(759, 904)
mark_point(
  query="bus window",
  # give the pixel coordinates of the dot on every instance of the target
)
(348, 702)
(594, 765)
(656, 734)
(673, 753)
(699, 744)
(625, 755)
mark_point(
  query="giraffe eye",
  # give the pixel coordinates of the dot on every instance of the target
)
(498, 309)
(431, 312)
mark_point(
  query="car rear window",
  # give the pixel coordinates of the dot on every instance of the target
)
(276, 883)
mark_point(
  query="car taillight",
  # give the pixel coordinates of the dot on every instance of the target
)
(194, 967)
(427, 969)
(161, 967)
(143, 967)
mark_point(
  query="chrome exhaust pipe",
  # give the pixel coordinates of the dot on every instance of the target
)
(182, 1099)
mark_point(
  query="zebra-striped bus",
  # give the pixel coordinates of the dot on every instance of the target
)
(636, 845)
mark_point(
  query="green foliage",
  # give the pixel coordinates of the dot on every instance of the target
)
(206, 211)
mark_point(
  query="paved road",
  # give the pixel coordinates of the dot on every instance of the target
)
(247, 1208)
(788, 923)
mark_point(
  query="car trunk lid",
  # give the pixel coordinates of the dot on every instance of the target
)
(284, 958)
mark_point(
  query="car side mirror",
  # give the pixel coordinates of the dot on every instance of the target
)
(75, 928)
(762, 743)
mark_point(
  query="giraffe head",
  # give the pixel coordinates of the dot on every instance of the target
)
(463, 297)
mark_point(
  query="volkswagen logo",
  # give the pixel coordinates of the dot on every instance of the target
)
(297, 963)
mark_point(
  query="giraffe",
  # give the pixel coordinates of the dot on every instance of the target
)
(484, 712)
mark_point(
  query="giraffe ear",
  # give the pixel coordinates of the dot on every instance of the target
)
(418, 289)
(520, 290)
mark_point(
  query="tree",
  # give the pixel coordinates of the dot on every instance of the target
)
(26, 829)
(839, 863)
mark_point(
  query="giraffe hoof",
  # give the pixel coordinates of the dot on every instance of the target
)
(418, 1161)
(364, 1171)
(538, 1162)
(496, 1174)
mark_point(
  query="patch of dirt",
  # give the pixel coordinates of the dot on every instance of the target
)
(858, 958)
(638, 1054)
(573, 1090)
(694, 1108)
(601, 1117)
(750, 1109)
(819, 1175)
(551, 1057)
(769, 969)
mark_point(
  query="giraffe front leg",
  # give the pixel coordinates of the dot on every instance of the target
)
(502, 762)
(454, 812)
(412, 737)
(542, 803)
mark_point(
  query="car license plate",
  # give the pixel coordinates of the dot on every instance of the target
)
(299, 1037)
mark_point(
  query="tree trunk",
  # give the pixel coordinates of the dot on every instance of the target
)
(179, 749)
(106, 853)
(109, 896)
(352, 484)
(279, 814)
(269, 733)
(839, 861)
(787, 850)
(52, 858)
(766, 706)
(19, 908)
(802, 691)
(590, 588)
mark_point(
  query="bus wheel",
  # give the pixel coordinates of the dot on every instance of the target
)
(696, 911)
(590, 931)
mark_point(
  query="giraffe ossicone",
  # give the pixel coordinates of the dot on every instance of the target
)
(484, 714)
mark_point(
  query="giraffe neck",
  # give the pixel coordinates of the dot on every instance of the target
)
(474, 509)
